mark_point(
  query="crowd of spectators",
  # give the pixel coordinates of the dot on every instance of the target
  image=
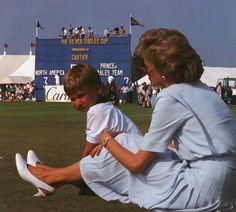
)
(143, 95)
(118, 31)
(18, 92)
(81, 32)
(76, 32)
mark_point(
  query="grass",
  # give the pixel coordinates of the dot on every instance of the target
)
(57, 133)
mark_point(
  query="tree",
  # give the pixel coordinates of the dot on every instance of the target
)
(137, 71)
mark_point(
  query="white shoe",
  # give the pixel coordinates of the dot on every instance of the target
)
(27, 176)
(32, 158)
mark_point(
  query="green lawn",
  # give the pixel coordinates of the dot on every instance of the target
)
(56, 132)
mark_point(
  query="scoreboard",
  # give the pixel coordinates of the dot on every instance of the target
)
(108, 55)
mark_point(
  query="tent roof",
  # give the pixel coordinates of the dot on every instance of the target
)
(210, 76)
(14, 80)
(143, 79)
(16, 68)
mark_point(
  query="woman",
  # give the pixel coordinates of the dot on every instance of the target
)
(200, 176)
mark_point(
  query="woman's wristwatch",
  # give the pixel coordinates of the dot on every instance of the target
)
(105, 141)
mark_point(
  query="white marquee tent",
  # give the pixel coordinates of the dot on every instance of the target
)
(21, 68)
(16, 68)
(210, 76)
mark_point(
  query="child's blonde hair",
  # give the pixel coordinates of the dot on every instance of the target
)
(81, 77)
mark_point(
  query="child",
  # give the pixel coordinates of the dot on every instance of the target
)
(83, 86)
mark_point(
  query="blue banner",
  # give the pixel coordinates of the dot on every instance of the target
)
(109, 55)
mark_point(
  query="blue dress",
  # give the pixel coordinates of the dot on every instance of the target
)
(198, 176)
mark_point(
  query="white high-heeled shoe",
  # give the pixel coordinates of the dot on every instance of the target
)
(27, 176)
(32, 158)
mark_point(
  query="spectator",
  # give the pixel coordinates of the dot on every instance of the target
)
(124, 93)
(155, 91)
(110, 78)
(82, 32)
(107, 32)
(90, 32)
(71, 31)
(219, 89)
(57, 79)
(121, 31)
(134, 94)
(112, 90)
(116, 30)
(76, 32)
(64, 32)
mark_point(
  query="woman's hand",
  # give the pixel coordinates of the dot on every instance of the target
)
(106, 134)
(96, 151)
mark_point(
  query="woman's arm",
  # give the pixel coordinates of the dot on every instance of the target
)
(135, 163)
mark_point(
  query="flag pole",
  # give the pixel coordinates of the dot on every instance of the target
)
(36, 29)
(130, 23)
(30, 50)
(130, 64)
(5, 49)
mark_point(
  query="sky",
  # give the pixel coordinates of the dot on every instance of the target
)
(210, 25)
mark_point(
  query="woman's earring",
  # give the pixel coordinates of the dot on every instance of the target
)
(163, 77)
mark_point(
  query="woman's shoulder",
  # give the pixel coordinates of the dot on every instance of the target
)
(184, 88)
(185, 93)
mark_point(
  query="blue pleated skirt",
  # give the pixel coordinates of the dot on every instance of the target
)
(167, 184)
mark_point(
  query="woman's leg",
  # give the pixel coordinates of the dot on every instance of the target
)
(56, 177)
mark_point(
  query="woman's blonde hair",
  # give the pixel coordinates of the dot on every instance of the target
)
(171, 54)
